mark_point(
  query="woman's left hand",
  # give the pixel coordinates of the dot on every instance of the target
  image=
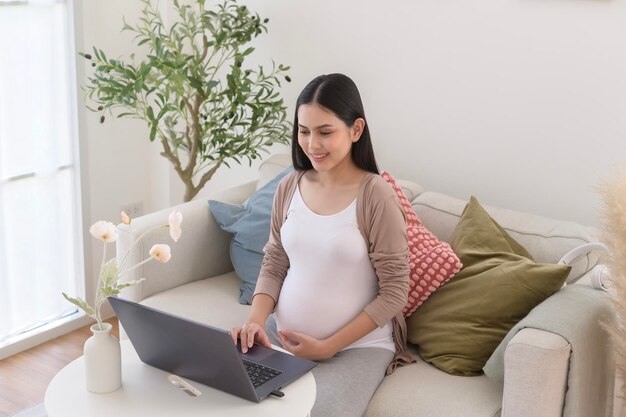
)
(306, 346)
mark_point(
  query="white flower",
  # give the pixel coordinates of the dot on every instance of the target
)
(104, 231)
(174, 220)
(161, 253)
(110, 271)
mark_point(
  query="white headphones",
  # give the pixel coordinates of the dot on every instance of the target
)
(599, 274)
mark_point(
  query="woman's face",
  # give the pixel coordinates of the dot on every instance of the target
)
(326, 139)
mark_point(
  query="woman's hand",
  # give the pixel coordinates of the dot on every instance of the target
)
(250, 332)
(306, 346)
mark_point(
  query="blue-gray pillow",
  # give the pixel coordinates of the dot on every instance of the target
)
(250, 225)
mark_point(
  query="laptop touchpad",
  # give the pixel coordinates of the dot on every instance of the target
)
(257, 353)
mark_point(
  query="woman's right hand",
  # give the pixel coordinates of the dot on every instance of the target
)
(250, 332)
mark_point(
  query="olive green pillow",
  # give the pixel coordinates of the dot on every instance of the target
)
(461, 324)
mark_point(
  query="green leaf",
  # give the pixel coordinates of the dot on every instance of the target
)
(157, 45)
(129, 284)
(138, 85)
(82, 304)
(231, 83)
(109, 272)
(165, 109)
(126, 25)
(144, 70)
(153, 132)
(109, 291)
(161, 98)
(150, 113)
(196, 83)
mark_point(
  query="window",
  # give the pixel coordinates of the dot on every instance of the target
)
(40, 222)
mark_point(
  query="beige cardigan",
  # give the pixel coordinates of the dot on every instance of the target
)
(382, 224)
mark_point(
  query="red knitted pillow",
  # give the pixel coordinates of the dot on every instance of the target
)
(431, 261)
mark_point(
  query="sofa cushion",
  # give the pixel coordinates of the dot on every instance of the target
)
(547, 240)
(421, 389)
(431, 261)
(458, 328)
(250, 225)
(212, 301)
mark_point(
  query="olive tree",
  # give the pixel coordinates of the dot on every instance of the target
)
(192, 88)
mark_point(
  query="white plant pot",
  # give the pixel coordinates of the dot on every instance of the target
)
(103, 360)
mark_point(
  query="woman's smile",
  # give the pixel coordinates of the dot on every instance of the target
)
(317, 157)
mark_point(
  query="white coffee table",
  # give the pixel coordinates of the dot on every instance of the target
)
(145, 391)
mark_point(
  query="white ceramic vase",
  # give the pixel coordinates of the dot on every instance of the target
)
(103, 360)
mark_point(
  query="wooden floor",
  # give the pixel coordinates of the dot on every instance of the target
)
(25, 376)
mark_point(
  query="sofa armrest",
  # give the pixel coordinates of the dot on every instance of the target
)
(203, 250)
(575, 313)
(536, 364)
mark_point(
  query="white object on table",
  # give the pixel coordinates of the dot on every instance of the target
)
(102, 359)
(146, 391)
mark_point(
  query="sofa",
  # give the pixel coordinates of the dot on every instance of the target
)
(199, 283)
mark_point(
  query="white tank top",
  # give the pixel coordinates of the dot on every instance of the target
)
(330, 278)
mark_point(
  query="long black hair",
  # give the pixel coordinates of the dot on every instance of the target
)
(339, 94)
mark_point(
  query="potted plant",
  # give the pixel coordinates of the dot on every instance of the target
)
(103, 366)
(199, 100)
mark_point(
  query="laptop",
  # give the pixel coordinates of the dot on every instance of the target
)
(206, 354)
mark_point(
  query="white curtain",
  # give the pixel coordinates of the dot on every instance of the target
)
(39, 222)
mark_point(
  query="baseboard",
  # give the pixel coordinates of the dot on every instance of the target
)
(53, 330)
(46, 333)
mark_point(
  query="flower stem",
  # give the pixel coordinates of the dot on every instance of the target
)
(98, 300)
(136, 266)
(134, 242)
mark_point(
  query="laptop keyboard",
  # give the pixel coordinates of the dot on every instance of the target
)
(259, 374)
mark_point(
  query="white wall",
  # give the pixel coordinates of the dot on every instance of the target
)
(116, 158)
(521, 103)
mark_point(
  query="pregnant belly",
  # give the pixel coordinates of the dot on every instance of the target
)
(320, 312)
